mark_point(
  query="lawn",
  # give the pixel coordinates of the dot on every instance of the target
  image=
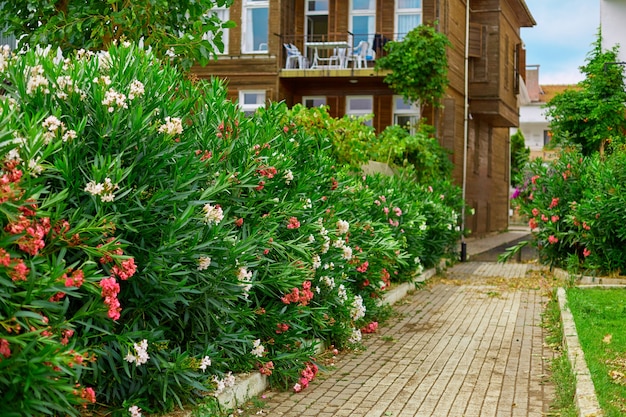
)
(599, 314)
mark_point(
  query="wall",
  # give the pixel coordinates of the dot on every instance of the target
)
(612, 18)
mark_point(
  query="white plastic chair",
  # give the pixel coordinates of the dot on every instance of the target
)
(294, 57)
(359, 55)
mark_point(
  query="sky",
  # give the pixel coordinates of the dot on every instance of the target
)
(561, 39)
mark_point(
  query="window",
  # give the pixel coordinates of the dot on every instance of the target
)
(360, 106)
(405, 114)
(408, 16)
(316, 20)
(547, 136)
(250, 100)
(310, 102)
(363, 20)
(223, 14)
(255, 26)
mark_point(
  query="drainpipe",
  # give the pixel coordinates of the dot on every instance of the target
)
(465, 130)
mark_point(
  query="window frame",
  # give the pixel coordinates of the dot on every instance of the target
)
(360, 113)
(246, 27)
(413, 112)
(223, 13)
(309, 15)
(305, 98)
(405, 11)
(352, 13)
(250, 109)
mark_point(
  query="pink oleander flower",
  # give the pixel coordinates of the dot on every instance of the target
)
(370, 328)
(554, 203)
(297, 387)
(397, 211)
(266, 369)
(126, 270)
(20, 271)
(5, 350)
(76, 278)
(110, 289)
(65, 336)
(553, 239)
(535, 212)
(586, 252)
(89, 395)
(281, 328)
(363, 267)
(293, 223)
(532, 223)
(554, 218)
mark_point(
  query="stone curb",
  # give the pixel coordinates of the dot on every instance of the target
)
(253, 384)
(586, 399)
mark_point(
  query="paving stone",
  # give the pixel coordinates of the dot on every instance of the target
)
(470, 350)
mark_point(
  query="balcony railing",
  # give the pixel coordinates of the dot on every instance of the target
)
(332, 51)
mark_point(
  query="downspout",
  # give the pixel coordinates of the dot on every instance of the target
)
(465, 130)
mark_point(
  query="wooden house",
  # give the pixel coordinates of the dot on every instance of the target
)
(303, 51)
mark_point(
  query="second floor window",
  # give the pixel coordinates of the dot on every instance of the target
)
(255, 26)
(224, 15)
(408, 16)
(317, 20)
(363, 20)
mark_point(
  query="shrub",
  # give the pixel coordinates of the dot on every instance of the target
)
(575, 207)
(230, 242)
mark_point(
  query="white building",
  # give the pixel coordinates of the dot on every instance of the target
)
(533, 122)
(612, 18)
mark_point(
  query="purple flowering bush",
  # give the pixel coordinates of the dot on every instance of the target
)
(157, 241)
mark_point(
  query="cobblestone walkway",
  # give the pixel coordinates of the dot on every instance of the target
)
(468, 345)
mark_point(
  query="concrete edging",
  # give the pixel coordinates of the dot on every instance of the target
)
(585, 396)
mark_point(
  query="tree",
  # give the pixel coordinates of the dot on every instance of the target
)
(520, 155)
(173, 29)
(592, 115)
(419, 65)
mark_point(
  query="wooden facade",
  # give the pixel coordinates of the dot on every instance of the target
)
(495, 64)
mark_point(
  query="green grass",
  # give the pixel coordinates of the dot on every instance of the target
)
(600, 317)
(561, 376)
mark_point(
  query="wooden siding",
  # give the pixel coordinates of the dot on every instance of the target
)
(494, 40)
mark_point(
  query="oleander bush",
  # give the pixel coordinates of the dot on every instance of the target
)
(576, 210)
(156, 241)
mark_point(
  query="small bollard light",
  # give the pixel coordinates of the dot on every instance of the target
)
(463, 251)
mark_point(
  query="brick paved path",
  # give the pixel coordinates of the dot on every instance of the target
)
(466, 346)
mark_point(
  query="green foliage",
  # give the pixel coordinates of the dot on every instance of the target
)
(170, 28)
(592, 115)
(520, 156)
(576, 209)
(421, 151)
(351, 138)
(419, 65)
(211, 243)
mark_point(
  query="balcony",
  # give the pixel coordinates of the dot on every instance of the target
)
(331, 55)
